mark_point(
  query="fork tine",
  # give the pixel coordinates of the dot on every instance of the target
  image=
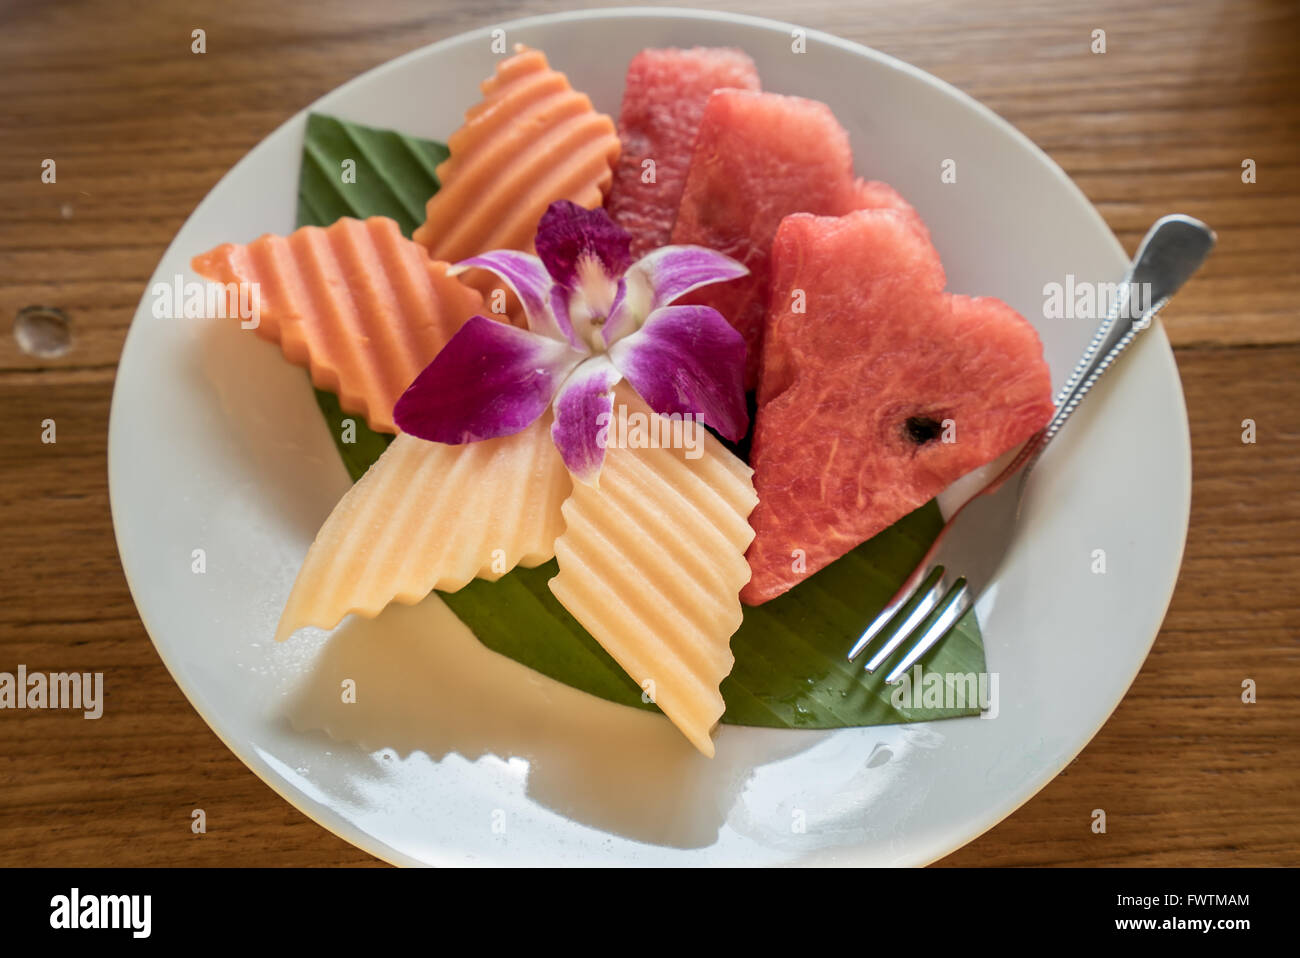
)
(918, 615)
(953, 606)
(925, 596)
(886, 615)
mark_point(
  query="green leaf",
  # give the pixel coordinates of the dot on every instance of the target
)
(393, 173)
(519, 617)
(790, 670)
(367, 445)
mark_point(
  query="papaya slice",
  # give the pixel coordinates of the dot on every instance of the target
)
(430, 516)
(530, 141)
(359, 305)
(652, 560)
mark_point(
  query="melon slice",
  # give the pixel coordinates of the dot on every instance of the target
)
(429, 516)
(759, 157)
(877, 195)
(530, 141)
(864, 383)
(652, 561)
(326, 292)
(663, 101)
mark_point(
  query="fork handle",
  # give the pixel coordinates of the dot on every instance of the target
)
(1173, 249)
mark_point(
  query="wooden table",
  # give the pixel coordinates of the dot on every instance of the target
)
(142, 129)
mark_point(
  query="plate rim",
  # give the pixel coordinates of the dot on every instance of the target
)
(330, 819)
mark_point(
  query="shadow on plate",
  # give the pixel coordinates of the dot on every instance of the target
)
(424, 683)
(271, 429)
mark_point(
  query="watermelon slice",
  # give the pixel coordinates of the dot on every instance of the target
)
(875, 195)
(870, 383)
(753, 164)
(663, 101)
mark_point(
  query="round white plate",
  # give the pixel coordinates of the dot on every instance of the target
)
(452, 754)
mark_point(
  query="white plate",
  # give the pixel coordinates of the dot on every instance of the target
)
(453, 754)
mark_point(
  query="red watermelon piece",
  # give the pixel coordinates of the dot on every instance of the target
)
(877, 195)
(758, 158)
(663, 101)
(855, 391)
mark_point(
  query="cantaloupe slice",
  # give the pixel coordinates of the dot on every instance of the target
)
(357, 303)
(652, 561)
(430, 516)
(532, 140)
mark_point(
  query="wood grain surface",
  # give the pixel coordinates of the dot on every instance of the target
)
(142, 129)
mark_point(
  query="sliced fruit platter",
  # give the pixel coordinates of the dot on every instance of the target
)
(659, 406)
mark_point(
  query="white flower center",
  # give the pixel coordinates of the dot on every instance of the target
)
(593, 297)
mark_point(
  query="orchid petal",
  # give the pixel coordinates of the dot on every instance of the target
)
(560, 299)
(526, 275)
(578, 430)
(688, 359)
(622, 318)
(491, 379)
(569, 234)
(673, 271)
(663, 276)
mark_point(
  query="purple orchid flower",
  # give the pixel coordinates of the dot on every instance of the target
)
(594, 318)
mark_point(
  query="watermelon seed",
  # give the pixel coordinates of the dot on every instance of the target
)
(922, 429)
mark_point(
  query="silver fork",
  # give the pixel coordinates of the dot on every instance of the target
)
(970, 548)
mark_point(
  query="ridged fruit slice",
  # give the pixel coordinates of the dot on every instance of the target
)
(357, 303)
(532, 140)
(652, 561)
(430, 516)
